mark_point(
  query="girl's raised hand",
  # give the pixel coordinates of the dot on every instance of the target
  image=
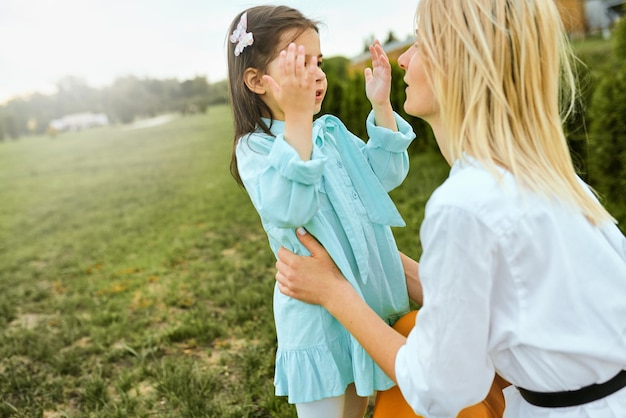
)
(378, 78)
(295, 83)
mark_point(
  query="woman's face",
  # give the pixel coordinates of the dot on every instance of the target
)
(420, 100)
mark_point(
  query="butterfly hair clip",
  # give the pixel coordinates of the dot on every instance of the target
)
(240, 36)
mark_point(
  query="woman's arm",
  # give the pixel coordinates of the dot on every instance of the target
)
(413, 283)
(316, 279)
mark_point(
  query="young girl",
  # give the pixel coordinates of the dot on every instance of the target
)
(523, 270)
(317, 174)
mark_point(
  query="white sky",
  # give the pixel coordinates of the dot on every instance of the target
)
(42, 41)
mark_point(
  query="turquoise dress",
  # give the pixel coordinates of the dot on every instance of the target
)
(341, 197)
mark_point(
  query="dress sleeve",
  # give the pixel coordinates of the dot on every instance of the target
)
(444, 365)
(282, 187)
(386, 151)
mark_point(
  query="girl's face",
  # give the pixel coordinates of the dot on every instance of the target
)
(311, 41)
(420, 100)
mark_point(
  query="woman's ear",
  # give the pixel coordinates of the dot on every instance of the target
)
(254, 81)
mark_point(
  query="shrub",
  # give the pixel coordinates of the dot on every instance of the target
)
(607, 159)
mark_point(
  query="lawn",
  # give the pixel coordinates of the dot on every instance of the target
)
(135, 277)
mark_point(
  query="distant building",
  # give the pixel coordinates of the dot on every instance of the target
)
(393, 50)
(79, 121)
(583, 17)
(574, 16)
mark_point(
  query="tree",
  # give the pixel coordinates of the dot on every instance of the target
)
(218, 93)
(391, 37)
(196, 95)
(367, 42)
(336, 69)
(608, 130)
(619, 37)
(11, 126)
(2, 124)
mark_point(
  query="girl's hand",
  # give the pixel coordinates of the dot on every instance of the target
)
(378, 78)
(313, 279)
(293, 91)
(378, 87)
(295, 83)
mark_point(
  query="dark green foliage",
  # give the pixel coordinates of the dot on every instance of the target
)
(619, 36)
(357, 107)
(336, 69)
(576, 126)
(607, 159)
(608, 139)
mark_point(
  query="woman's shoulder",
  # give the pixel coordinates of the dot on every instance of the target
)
(478, 192)
(470, 183)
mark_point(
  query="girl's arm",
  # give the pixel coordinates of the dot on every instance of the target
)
(331, 290)
(282, 187)
(386, 151)
(389, 135)
(279, 175)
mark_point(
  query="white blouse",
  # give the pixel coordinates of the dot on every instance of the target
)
(517, 284)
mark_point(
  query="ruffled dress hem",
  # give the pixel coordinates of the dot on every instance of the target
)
(327, 370)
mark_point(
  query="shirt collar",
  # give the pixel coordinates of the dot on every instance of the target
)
(467, 161)
(277, 127)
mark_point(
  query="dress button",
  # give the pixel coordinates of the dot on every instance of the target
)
(339, 164)
(355, 195)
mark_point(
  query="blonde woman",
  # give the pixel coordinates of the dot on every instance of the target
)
(523, 271)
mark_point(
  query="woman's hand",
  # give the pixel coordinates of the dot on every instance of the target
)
(378, 87)
(316, 279)
(313, 279)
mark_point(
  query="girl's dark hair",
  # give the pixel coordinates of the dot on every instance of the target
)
(267, 25)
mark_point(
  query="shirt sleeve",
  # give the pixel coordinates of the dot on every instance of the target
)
(444, 365)
(282, 187)
(386, 151)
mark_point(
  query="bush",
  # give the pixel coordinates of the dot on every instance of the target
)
(607, 156)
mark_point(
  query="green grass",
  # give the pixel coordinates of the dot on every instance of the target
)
(135, 277)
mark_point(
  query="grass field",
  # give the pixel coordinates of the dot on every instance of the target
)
(135, 278)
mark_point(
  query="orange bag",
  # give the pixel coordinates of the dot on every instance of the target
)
(391, 404)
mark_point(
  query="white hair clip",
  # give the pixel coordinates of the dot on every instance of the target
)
(240, 36)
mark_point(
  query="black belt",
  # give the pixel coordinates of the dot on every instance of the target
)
(575, 397)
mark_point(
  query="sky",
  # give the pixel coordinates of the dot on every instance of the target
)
(42, 41)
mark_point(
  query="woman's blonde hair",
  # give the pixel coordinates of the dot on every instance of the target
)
(500, 70)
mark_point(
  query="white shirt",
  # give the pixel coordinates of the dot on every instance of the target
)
(517, 284)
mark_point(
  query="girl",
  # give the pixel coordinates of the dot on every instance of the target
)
(523, 271)
(300, 172)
